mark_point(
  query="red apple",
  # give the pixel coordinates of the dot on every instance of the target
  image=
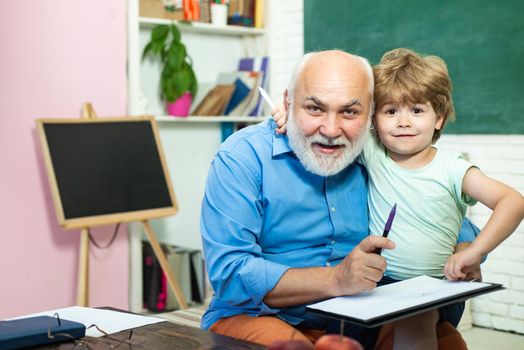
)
(290, 345)
(337, 342)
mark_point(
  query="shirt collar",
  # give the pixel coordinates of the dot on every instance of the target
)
(280, 144)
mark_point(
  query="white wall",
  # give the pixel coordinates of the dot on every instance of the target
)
(285, 23)
(499, 156)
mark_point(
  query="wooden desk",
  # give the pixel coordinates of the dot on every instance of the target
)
(168, 336)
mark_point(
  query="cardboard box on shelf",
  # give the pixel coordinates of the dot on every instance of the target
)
(156, 9)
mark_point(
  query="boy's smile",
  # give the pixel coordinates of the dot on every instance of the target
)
(406, 130)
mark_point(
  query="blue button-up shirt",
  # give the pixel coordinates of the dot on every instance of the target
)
(263, 213)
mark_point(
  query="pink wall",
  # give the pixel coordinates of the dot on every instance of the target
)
(54, 56)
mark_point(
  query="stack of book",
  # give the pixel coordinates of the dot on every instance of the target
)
(188, 268)
(248, 13)
(236, 93)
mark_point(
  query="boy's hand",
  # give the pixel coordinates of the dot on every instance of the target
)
(464, 265)
(280, 117)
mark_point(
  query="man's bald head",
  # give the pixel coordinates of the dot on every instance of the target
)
(330, 63)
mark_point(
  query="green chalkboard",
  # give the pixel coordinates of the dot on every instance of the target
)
(482, 42)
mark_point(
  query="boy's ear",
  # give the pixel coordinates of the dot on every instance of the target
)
(439, 123)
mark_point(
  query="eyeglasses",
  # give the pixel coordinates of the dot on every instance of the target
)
(103, 343)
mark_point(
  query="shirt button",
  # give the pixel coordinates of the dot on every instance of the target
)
(333, 209)
(328, 264)
(333, 242)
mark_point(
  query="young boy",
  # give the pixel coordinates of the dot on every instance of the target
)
(431, 187)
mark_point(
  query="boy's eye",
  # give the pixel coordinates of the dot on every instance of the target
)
(390, 111)
(417, 110)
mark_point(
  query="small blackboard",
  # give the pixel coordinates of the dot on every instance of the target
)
(106, 170)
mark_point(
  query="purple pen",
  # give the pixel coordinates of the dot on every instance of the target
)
(387, 228)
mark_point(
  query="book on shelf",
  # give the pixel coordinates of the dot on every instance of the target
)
(241, 92)
(188, 269)
(244, 96)
(205, 11)
(215, 102)
(257, 64)
(259, 13)
(241, 13)
(235, 93)
(191, 10)
(178, 260)
(247, 13)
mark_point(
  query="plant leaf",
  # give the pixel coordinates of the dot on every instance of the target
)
(177, 75)
(176, 55)
(147, 49)
(175, 32)
(160, 33)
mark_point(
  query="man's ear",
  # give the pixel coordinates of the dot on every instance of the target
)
(286, 101)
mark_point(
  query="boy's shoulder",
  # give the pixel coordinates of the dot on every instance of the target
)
(447, 155)
(451, 164)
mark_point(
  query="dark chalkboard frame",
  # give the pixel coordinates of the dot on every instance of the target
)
(107, 218)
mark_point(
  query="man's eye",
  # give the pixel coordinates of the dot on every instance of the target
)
(313, 109)
(350, 112)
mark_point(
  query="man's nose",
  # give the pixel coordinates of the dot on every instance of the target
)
(331, 126)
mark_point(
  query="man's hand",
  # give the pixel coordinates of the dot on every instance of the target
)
(362, 269)
(464, 264)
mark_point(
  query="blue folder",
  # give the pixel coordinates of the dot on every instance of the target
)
(240, 93)
(32, 331)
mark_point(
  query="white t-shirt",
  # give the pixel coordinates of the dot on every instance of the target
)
(430, 209)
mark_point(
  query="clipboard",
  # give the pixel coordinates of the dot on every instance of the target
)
(398, 300)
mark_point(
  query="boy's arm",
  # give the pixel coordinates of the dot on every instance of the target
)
(279, 114)
(472, 272)
(508, 211)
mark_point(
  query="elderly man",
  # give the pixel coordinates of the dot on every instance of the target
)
(285, 219)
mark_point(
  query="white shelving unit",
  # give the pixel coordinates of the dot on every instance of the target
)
(189, 143)
(209, 119)
(198, 27)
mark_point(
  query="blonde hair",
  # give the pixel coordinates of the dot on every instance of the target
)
(404, 76)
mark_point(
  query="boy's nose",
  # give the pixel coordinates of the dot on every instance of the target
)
(404, 121)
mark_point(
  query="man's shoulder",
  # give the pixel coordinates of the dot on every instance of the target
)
(253, 138)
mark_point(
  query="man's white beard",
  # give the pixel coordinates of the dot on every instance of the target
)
(324, 164)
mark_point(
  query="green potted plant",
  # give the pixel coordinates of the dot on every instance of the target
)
(178, 83)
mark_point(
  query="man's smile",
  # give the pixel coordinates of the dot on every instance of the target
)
(326, 148)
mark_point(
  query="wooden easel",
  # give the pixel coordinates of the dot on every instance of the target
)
(83, 262)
